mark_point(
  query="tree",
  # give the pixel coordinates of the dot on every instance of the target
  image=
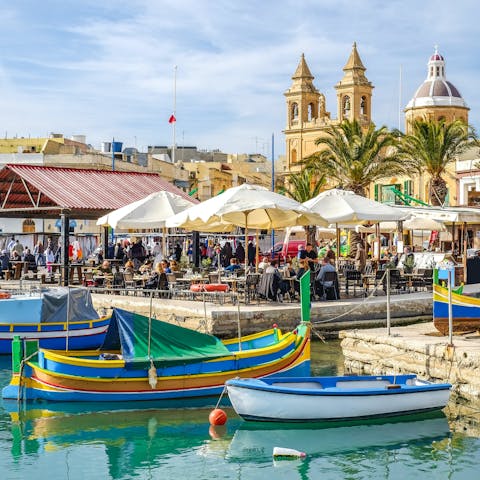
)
(431, 146)
(353, 157)
(302, 187)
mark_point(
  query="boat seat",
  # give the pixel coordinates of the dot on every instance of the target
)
(304, 385)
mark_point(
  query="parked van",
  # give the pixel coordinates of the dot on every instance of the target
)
(281, 251)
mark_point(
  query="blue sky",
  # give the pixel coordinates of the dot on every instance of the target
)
(106, 68)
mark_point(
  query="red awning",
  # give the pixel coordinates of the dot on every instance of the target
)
(37, 191)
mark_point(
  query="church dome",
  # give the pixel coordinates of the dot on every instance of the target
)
(436, 90)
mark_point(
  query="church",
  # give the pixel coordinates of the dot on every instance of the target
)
(435, 98)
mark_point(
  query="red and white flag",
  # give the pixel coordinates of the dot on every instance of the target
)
(172, 119)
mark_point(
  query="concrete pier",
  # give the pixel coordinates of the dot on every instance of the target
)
(416, 349)
(222, 319)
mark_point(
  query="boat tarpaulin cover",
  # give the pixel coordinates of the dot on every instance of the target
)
(77, 301)
(169, 344)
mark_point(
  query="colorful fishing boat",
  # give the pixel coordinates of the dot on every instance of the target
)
(58, 318)
(311, 399)
(465, 311)
(147, 359)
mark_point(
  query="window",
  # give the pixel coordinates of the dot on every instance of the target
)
(346, 106)
(363, 105)
(311, 112)
(294, 156)
(294, 111)
(28, 226)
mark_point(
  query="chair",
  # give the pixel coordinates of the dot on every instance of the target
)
(428, 278)
(118, 282)
(269, 286)
(251, 283)
(128, 281)
(214, 277)
(332, 290)
(397, 282)
(353, 277)
(88, 280)
(172, 284)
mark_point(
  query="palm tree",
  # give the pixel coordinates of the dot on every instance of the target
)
(431, 146)
(302, 187)
(353, 157)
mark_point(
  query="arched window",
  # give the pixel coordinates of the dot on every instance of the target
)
(294, 111)
(346, 106)
(294, 156)
(310, 112)
(28, 226)
(363, 106)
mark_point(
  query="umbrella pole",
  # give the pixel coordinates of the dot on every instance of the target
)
(246, 249)
(337, 239)
(257, 250)
(164, 242)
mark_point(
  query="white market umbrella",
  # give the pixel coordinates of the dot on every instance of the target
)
(149, 212)
(347, 208)
(423, 223)
(247, 206)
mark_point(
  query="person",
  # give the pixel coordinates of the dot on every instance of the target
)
(330, 254)
(174, 266)
(360, 258)
(409, 261)
(29, 258)
(177, 253)
(233, 265)
(105, 267)
(251, 253)
(320, 283)
(309, 255)
(264, 263)
(157, 279)
(39, 253)
(118, 253)
(270, 285)
(301, 248)
(240, 253)
(49, 256)
(4, 263)
(146, 267)
(157, 249)
(138, 253)
(129, 267)
(17, 247)
(226, 254)
(165, 266)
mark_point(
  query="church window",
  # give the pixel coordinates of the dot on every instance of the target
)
(363, 106)
(294, 156)
(438, 71)
(431, 71)
(346, 106)
(294, 111)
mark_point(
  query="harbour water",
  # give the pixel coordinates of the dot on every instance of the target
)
(81, 441)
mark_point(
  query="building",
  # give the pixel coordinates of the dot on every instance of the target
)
(307, 115)
(435, 99)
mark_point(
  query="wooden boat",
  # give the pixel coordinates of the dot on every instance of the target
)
(465, 311)
(58, 318)
(310, 399)
(146, 359)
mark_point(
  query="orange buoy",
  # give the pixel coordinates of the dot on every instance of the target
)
(4, 294)
(217, 417)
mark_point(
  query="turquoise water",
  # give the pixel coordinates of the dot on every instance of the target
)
(59, 441)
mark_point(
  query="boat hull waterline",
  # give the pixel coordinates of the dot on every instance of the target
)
(310, 399)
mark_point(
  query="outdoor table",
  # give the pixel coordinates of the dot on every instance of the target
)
(233, 281)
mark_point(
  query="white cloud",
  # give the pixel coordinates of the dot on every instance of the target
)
(107, 70)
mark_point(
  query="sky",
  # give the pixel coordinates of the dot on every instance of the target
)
(106, 69)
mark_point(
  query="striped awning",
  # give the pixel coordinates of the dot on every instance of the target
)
(38, 191)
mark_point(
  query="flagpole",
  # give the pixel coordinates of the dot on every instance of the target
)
(174, 110)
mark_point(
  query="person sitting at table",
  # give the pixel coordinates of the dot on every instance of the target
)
(129, 267)
(330, 254)
(264, 263)
(233, 266)
(165, 266)
(4, 263)
(269, 285)
(105, 267)
(157, 279)
(146, 267)
(15, 256)
(29, 258)
(320, 283)
(174, 266)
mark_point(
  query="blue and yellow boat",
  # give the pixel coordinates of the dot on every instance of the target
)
(58, 318)
(147, 359)
(465, 311)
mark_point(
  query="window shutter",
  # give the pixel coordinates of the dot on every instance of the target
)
(376, 192)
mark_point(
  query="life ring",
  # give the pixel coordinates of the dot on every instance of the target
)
(4, 294)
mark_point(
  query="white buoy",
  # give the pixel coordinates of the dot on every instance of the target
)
(287, 453)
